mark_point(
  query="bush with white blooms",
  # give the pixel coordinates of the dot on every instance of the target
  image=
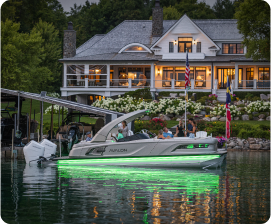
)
(221, 110)
(167, 106)
(56, 110)
(258, 106)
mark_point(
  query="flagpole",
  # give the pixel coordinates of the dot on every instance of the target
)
(226, 117)
(185, 111)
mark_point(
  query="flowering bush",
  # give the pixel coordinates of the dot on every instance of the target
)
(129, 104)
(221, 110)
(221, 139)
(55, 95)
(233, 97)
(212, 97)
(258, 106)
(154, 124)
(56, 110)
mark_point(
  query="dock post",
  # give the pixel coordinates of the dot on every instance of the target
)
(12, 143)
(58, 116)
(41, 119)
(52, 120)
(18, 112)
(59, 145)
(38, 135)
(29, 125)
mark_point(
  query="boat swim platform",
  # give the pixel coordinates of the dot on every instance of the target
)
(65, 103)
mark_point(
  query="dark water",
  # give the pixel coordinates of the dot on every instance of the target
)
(237, 193)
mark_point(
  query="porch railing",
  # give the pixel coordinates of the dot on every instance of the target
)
(245, 84)
(264, 84)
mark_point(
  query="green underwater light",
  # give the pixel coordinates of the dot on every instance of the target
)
(146, 159)
(189, 181)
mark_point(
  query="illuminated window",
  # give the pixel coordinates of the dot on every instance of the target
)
(184, 43)
(136, 48)
(264, 74)
(232, 49)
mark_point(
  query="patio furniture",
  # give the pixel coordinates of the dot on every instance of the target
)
(167, 84)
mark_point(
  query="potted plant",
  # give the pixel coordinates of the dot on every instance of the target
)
(221, 141)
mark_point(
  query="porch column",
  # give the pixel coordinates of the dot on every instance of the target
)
(172, 83)
(108, 76)
(65, 75)
(152, 75)
(254, 83)
(236, 76)
(86, 82)
(192, 84)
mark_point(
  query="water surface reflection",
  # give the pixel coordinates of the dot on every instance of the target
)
(237, 193)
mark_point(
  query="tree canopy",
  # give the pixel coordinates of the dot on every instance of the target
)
(253, 19)
(224, 9)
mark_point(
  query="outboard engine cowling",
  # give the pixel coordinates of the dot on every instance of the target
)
(33, 150)
(50, 148)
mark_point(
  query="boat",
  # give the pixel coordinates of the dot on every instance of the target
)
(143, 151)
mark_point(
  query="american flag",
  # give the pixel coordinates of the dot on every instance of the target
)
(228, 112)
(187, 71)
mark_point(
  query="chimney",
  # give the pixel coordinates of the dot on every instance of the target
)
(69, 42)
(157, 19)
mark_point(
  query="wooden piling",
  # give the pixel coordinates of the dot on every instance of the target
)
(52, 119)
(29, 125)
(12, 143)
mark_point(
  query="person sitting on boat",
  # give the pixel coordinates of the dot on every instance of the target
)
(189, 126)
(180, 130)
(161, 136)
(124, 129)
(120, 135)
(88, 136)
(166, 133)
(193, 131)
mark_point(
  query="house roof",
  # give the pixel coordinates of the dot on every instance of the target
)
(106, 46)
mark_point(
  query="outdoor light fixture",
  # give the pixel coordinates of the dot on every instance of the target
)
(175, 42)
(194, 41)
(158, 72)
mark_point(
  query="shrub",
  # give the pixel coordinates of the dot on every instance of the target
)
(56, 110)
(207, 110)
(140, 94)
(221, 110)
(154, 124)
(241, 105)
(242, 95)
(258, 106)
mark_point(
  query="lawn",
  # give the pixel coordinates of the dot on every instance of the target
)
(46, 117)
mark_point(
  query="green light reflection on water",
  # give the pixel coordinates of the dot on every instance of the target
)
(190, 181)
(138, 159)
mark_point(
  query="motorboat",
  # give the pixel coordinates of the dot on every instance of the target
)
(141, 150)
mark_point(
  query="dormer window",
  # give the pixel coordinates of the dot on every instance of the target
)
(135, 48)
(232, 49)
(185, 43)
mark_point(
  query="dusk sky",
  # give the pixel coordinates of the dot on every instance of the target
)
(67, 4)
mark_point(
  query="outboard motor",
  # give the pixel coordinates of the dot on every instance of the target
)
(50, 148)
(33, 151)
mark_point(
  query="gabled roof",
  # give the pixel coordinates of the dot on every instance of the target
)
(176, 24)
(89, 43)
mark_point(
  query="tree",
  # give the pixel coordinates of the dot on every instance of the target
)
(253, 21)
(224, 9)
(21, 57)
(9, 9)
(170, 13)
(195, 10)
(52, 52)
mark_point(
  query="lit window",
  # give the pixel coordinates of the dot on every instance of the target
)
(135, 48)
(184, 43)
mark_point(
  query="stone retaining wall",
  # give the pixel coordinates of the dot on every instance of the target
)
(234, 143)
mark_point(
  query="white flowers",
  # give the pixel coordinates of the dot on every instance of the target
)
(221, 110)
(258, 106)
(55, 110)
(129, 104)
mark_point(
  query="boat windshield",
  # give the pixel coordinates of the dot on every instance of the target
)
(134, 137)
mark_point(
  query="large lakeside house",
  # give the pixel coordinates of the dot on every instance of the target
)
(151, 53)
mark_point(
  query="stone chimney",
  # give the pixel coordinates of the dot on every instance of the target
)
(157, 19)
(69, 42)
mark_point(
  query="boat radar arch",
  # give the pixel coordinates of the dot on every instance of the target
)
(103, 132)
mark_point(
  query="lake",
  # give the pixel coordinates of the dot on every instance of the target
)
(239, 192)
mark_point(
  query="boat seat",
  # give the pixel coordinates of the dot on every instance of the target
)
(134, 137)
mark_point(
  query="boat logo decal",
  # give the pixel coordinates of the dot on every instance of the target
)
(118, 150)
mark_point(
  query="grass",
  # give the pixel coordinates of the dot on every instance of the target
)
(36, 107)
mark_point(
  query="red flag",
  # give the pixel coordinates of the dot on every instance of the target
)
(187, 71)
